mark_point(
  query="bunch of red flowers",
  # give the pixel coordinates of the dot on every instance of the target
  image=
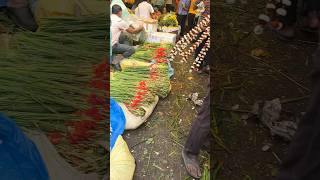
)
(81, 131)
(160, 54)
(55, 137)
(141, 91)
(101, 76)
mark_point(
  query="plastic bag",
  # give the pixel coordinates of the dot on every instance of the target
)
(19, 156)
(117, 122)
(122, 163)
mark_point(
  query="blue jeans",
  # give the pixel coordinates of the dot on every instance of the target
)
(124, 49)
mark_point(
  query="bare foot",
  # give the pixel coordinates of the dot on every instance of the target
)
(192, 164)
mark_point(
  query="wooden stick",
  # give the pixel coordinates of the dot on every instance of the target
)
(278, 71)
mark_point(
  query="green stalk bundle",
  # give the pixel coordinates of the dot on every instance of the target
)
(46, 79)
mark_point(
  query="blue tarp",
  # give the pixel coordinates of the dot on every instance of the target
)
(19, 156)
(117, 122)
(3, 3)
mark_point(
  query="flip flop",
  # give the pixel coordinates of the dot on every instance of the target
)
(191, 165)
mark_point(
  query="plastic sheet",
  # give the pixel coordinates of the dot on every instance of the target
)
(125, 12)
(19, 156)
(117, 122)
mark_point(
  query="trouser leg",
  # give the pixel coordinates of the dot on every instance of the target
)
(303, 159)
(123, 49)
(182, 22)
(191, 21)
(200, 130)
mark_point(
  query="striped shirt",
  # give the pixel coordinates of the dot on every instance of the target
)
(183, 7)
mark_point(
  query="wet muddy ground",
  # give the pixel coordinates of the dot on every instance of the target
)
(241, 79)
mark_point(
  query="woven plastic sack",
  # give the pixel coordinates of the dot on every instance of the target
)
(122, 163)
(133, 121)
(19, 156)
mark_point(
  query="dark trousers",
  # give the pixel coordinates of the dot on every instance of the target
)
(303, 158)
(182, 22)
(191, 21)
(199, 135)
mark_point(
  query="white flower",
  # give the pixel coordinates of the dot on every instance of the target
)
(281, 12)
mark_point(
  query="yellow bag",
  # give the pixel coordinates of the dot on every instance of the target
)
(58, 8)
(122, 163)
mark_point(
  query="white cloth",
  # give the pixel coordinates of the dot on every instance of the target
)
(144, 10)
(118, 25)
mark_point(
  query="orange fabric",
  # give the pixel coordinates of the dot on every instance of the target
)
(177, 5)
(192, 6)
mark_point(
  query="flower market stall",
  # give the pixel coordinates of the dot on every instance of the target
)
(145, 76)
(143, 81)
